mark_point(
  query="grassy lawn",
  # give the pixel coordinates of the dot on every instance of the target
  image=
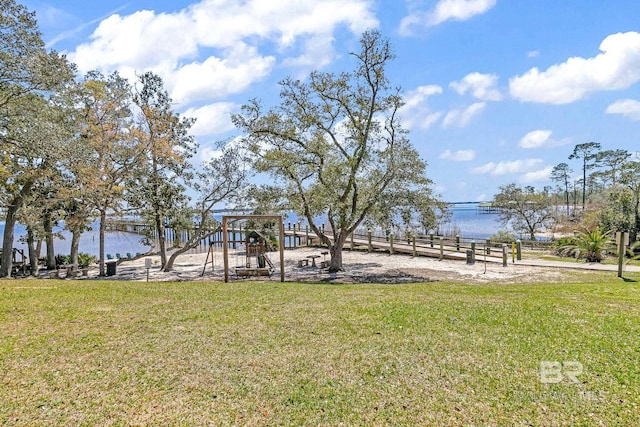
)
(118, 353)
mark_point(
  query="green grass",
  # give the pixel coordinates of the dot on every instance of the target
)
(118, 353)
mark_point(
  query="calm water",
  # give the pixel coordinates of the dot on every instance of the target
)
(474, 225)
(466, 220)
(115, 242)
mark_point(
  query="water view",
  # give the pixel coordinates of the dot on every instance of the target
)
(465, 220)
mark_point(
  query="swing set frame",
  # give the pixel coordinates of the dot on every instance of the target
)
(225, 238)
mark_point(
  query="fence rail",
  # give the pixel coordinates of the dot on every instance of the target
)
(452, 247)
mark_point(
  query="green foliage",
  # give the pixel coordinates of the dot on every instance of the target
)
(618, 212)
(33, 131)
(526, 210)
(590, 244)
(85, 260)
(562, 243)
(588, 153)
(62, 260)
(335, 146)
(503, 236)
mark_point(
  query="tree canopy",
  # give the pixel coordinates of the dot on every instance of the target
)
(335, 145)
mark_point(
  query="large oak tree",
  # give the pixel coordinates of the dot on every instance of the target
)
(31, 139)
(335, 145)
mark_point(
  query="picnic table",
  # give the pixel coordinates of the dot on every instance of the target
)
(313, 259)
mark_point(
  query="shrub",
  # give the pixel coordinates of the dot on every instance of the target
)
(85, 260)
(562, 243)
(503, 237)
(592, 245)
(62, 260)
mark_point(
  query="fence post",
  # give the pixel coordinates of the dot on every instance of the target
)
(390, 243)
(431, 238)
(488, 246)
(513, 252)
(519, 250)
(504, 254)
(294, 236)
(369, 240)
(458, 242)
(473, 251)
(353, 245)
(307, 230)
(621, 244)
(441, 248)
(413, 242)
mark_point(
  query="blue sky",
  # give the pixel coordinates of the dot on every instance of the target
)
(496, 91)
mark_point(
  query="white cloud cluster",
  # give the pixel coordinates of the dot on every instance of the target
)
(537, 176)
(509, 167)
(214, 48)
(458, 156)
(461, 118)
(536, 139)
(541, 139)
(415, 112)
(617, 67)
(211, 119)
(481, 86)
(445, 10)
(629, 108)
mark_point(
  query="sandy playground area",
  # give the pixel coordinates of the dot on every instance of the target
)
(359, 267)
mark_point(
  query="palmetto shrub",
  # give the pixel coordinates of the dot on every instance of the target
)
(590, 244)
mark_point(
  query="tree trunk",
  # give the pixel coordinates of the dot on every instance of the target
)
(9, 225)
(103, 228)
(33, 252)
(7, 241)
(636, 223)
(197, 236)
(161, 241)
(75, 246)
(48, 233)
(335, 251)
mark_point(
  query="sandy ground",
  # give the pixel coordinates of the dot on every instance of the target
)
(359, 267)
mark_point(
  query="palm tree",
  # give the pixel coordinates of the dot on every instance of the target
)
(591, 245)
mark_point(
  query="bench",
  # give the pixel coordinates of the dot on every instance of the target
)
(303, 263)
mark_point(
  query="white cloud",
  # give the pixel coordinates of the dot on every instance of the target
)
(482, 86)
(458, 156)
(541, 139)
(537, 176)
(215, 48)
(211, 119)
(617, 67)
(461, 118)
(216, 78)
(509, 167)
(629, 108)
(533, 54)
(445, 10)
(415, 112)
(535, 139)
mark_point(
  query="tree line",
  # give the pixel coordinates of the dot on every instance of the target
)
(602, 191)
(80, 149)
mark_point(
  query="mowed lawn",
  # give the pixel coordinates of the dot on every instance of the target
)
(251, 353)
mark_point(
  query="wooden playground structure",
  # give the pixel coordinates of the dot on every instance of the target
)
(256, 262)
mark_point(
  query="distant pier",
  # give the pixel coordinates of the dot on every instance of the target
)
(488, 208)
